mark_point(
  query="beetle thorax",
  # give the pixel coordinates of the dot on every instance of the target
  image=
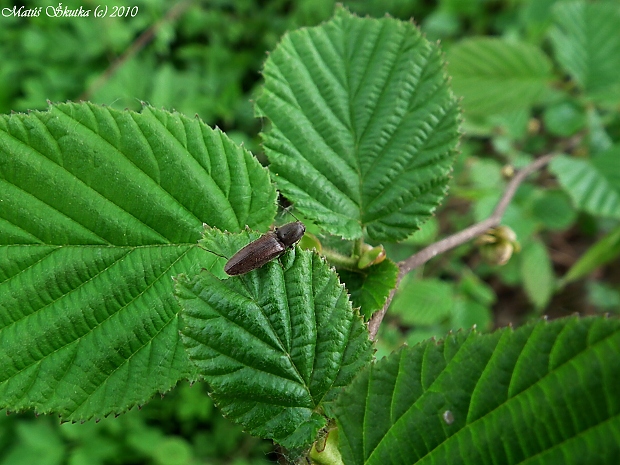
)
(290, 233)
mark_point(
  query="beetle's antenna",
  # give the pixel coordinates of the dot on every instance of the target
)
(282, 201)
(288, 210)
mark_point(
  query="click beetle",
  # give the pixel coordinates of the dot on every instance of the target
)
(265, 248)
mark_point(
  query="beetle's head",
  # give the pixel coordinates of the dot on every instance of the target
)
(290, 233)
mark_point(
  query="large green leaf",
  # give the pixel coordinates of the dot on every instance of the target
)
(593, 185)
(98, 209)
(544, 393)
(364, 125)
(274, 344)
(496, 76)
(587, 44)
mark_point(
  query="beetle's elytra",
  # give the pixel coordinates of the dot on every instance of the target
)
(265, 248)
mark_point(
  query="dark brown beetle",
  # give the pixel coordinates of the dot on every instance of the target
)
(265, 248)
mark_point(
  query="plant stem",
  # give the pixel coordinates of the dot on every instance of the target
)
(459, 238)
(357, 247)
(339, 260)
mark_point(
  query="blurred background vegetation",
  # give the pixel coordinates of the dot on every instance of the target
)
(526, 93)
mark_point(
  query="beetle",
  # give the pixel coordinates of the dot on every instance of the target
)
(265, 248)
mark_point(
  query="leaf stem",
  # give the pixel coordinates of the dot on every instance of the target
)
(339, 260)
(358, 246)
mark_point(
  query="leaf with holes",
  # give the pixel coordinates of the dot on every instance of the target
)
(544, 393)
(274, 344)
(363, 125)
(98, 209)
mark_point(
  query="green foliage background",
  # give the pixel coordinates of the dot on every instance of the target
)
(204, 58)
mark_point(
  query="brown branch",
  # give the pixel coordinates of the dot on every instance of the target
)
(134, 48)
(459, 238)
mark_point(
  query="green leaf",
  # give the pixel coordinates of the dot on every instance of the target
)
(508, 126)
(495, 76)
(537, 273)
(420, 334)
(426, 235)
(364, 125)
(34, 442)
(593, 186)
(370, 288)
(604, 251)
(536, 17)
(598, 139)
(553, 209)
(98, 209)
(423, 301)
(608, 163)
(476, 289)
(564, 119)
(604, 297)
(587, 45)
(544, 393)
(274, 344)
(468, 313)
